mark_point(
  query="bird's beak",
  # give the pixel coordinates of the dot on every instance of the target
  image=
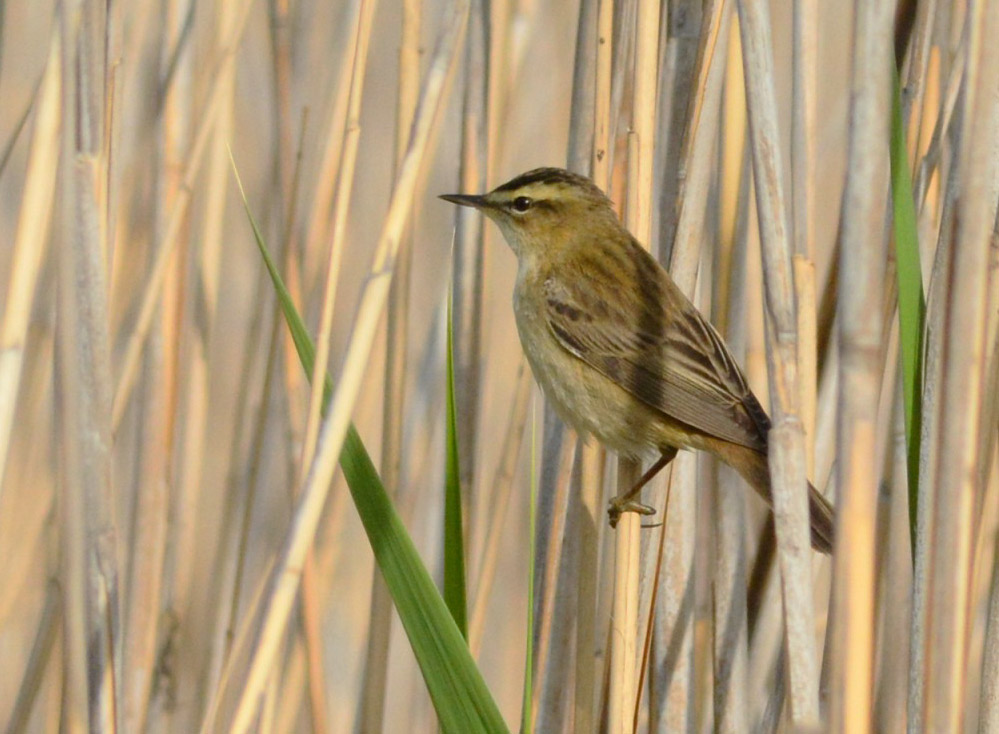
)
(477, 202)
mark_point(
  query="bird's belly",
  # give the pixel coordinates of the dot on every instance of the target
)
(588, 401)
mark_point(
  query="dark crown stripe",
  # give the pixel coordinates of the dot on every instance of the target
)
(543, 175)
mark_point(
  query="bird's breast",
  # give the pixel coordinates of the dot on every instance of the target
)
(585, 399)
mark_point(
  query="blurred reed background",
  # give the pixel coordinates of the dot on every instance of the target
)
(171, 561)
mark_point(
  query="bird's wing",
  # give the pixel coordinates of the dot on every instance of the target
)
(652, 342)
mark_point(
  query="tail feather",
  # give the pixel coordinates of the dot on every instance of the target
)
(753, 466)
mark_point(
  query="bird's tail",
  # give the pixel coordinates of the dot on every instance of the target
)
(753, 466)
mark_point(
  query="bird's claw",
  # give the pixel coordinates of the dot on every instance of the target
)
(618, 507)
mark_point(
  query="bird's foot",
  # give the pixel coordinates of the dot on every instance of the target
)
(620, 505)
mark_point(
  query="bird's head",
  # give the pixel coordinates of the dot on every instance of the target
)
(543, 209)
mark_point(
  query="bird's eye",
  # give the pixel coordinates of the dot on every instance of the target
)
(522, 203)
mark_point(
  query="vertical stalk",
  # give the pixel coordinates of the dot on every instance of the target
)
(91, 630)
(861, 268)
(638, 219)
(786, 440)
(964, 377)
(375, 682)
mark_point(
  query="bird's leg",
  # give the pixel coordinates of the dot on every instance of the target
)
(625, 502)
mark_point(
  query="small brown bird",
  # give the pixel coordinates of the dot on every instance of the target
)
(617, 348)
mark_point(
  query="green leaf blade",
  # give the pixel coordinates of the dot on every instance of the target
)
(461, 699)
(454, 540)
(911, 300)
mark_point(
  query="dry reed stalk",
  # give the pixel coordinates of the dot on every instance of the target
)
(695, 165)
(89, 553)
(590, 521)
(589, 526)
(558, 527)
(894, 581)
(160, 391)
(345, 184)
(187, 506)
(467, 252)
(318, 222)
(786, 440)
(375, 679)
(500, 493)
(929, 456)
(803, 180)
(173, 227)
(344, 188)
(602, 131)
(683, 70)
(988, 704)
(553, 603)
(142, 609)
(672, 678)
(308, 608)
(348, 152)
(284, 582)
(623, 694)
(292, 684)
(218, 706)
(963, 378)
(673, 683)
(41, 654)
(915, 76)
(862, 268)
(623, 656)
(379, 628)
(30, 243)
(730, 662)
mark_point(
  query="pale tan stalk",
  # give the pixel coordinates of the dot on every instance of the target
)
(681, 83)
(159, 391)
(345, 185)
(786, 440)
(673, 683)
(988, 712)
(30, 245)
(89, 553)
(290, 703)
(41, 654)
(324, 183)
(963, 378)
(805, 43)
(602, 133)
(551, 640)
(147, 545)
(241, 639)
(624, 619)
(184, 544)
(928, 452)
(589, 526)
(558, 526)
(344, 189)
(467, 251)
(375, 681)
(914, 75)
(589, 696)
(500, 493)
(638, 219)
(730, 660)
(284, 581)
(173, 228)
(895, 579)
(862, 267)
(704, 110)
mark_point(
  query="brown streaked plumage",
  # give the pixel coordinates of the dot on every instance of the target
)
(617, 348)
